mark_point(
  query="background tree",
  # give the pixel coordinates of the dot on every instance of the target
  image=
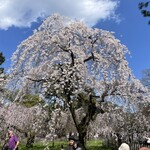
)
(28, 122)
(77, 65)
(2, 78)
(143, 6)
(143, 118)
(2, 58)
(112, 126)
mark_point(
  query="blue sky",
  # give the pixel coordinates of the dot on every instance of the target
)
(19, 19)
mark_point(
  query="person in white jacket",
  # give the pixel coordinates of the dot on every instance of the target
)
(124, 146)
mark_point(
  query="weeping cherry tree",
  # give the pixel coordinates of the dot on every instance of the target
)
(79, 65)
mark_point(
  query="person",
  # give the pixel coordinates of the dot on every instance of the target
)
(62, 147)
(5, 146)
(76, 146)
(73, 144)
(13, 141)
(124, 146)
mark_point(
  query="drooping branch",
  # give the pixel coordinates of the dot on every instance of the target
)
(72, 58)
(37, 80)
(90, 57)
(68, 51)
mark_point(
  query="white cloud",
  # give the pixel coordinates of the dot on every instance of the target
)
(21, 13)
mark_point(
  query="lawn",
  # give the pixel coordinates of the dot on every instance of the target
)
(91, 145)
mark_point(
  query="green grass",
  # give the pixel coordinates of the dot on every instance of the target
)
(96, 145)
(91, 145)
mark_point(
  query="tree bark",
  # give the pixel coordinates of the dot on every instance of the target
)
(30, 140)
(82, 126)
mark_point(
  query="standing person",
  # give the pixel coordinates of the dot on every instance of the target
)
(124, 146)
(62, 147)
(13, 141)
(76, 146)
(71, 143)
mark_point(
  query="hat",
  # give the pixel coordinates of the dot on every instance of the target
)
(71, 138)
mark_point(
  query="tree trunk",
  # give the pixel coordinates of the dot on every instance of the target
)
(82, 136)
(119, 141)
(82, 126)
(30, 140)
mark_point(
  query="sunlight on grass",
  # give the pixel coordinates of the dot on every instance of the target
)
(91, 145)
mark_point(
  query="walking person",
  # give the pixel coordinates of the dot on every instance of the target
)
(13, 141)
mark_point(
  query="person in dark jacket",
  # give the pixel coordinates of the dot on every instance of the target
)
(77, 146)
(71, 143)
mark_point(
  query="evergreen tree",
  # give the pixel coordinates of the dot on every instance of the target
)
(143, 6)
(2, 59)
